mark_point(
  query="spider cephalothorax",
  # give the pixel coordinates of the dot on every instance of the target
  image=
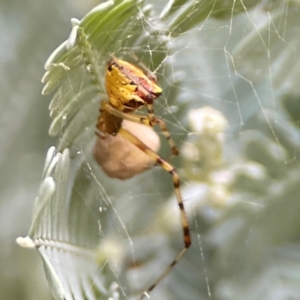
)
(128, 87)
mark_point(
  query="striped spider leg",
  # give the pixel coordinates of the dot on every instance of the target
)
(129, 89)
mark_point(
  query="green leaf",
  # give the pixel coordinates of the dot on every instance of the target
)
(185, 15)
(64, 230)
(73, 68)
(229, 182)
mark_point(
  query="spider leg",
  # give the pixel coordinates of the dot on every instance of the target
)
(176, 182)
(151, 116)
(145, 120)
(162, 124)
(164, 130)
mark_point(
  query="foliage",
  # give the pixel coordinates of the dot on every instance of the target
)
(241, 182)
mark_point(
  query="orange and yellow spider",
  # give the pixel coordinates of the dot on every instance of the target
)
(128, 89)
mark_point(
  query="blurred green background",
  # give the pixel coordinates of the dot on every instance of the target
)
(30, 30)
(245, 216)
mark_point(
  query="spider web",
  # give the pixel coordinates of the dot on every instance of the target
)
(228, 72)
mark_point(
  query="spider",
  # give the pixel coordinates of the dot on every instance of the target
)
(128, 89)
